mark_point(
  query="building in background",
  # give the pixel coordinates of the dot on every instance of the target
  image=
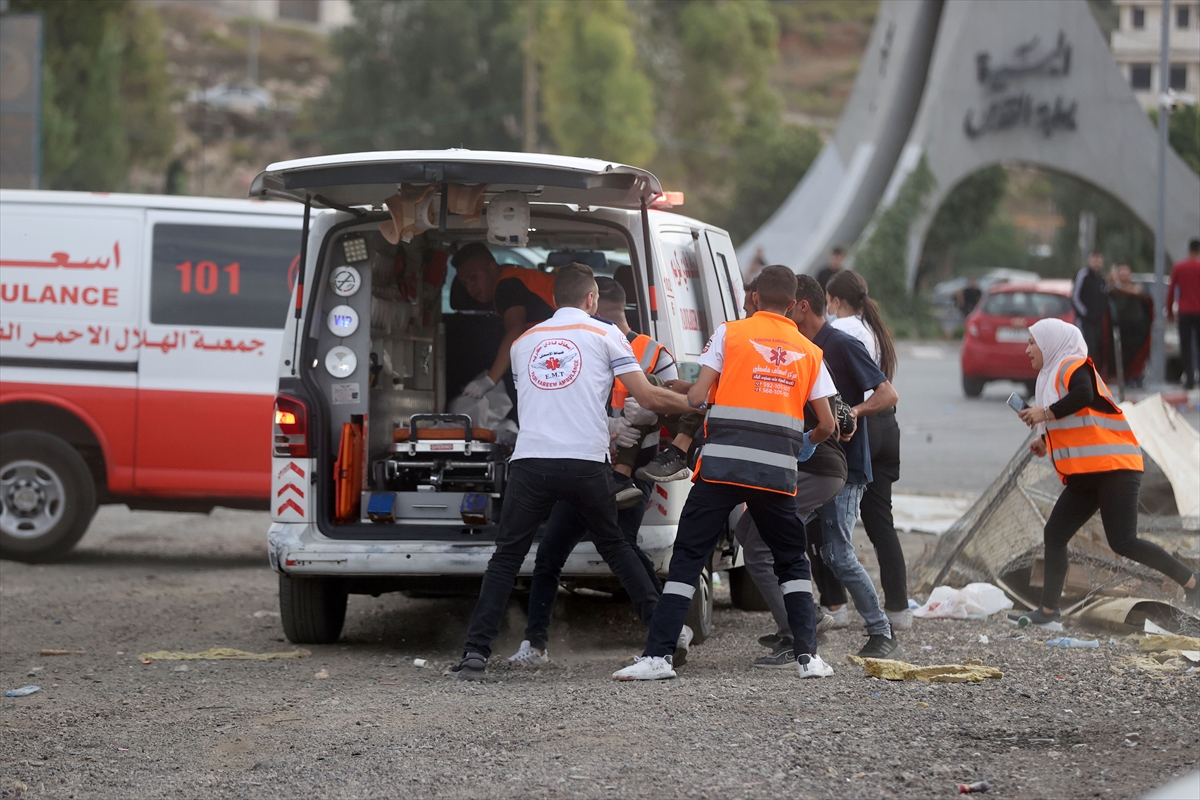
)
(1136, 41)
(323, 15)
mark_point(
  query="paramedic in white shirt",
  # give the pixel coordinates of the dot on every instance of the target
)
(564, 370)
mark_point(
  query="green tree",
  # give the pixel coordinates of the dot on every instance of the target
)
(1183, 132)
(426, 74)
(769, 166)
(596, 100)
(1119, 234)
(105, 92)
(963, 216)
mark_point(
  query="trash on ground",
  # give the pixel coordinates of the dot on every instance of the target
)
(1150, 627)
(1147, 664)
(63, 653)
(1121, 611)
(973, 601)
(973, 662)
(972, 788)
(321, 675)
(892, 670)
(420, 662)
(983, 639)
(23, 691)
(1159, 642)
(263, 614)
(220, 654)
(1069, 641)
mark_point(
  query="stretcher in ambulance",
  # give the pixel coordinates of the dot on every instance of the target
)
(135, 338)
(384, 477)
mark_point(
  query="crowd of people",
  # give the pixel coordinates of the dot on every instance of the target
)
(793, 417)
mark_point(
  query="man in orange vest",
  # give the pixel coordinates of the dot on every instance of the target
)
(761, 372)
(522, 298)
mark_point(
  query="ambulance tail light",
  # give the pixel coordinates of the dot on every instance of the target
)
(290, 427)
(668, 200)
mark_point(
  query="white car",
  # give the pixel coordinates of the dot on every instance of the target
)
(371, 358)
(239, 97)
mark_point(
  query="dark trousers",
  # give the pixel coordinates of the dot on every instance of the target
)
(565, 529)
(1116, 495)
(876, 508)
(1189, 346)
(829, 588)
(534, 486)
(704, 518)
(1093, 336)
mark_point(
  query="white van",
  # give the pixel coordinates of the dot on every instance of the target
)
(365, 499)
(138, 339)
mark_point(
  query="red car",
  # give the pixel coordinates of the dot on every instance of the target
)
(997, 331)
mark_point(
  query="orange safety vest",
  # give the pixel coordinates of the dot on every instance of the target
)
(752, 433)
(647, 351)
(1091, 440)
(536, 281)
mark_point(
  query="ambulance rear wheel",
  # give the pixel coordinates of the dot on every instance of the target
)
(700, 615)
(313, 609)
(47, 496)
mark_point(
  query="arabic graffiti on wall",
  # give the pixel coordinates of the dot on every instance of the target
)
(123, 339)
(1014, 108)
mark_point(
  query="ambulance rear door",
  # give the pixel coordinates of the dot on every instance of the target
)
(217, 297)
(722, 276)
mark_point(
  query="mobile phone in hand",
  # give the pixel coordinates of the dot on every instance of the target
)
(1017, 403)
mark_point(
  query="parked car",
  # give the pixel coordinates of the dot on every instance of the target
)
(368, 498)
(138, 338)
(238, 97)
(998, 330)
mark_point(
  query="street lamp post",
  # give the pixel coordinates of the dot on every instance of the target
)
(1158, 365)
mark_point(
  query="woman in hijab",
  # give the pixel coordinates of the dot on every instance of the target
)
(1097, 457)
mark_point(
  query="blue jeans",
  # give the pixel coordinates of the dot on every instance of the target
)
(837, 527)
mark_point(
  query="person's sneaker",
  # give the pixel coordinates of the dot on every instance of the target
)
(646, 668)
(812, 666)
(901, 620)
(1038, 619)
(681, 646)
(470, 668)
(782, 657)
(669, 465)
(841, 617)
(529, 656)
(825, 623)
(880, 646)
(771, 640)
(628, 494)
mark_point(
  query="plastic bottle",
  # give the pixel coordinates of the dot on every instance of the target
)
(972, 788)
(1067, 641)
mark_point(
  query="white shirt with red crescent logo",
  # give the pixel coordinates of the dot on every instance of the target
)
(564, 369)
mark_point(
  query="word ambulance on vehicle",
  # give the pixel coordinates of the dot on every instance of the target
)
(382, 479)
(138, 337)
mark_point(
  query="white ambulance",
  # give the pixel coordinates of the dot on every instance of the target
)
(377, 484)
(138, 341)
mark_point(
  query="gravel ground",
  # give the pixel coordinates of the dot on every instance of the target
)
(1061, 723)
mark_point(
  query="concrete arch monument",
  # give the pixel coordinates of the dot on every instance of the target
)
(965, 85)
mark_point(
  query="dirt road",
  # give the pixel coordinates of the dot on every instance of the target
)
(1060, 723)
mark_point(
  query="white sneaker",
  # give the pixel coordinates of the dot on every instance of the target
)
(646, 668)
(841, 617)
(901, 620)
(682, 645)
(812, 666)
(529, 656)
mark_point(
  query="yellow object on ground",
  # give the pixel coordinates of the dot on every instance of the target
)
(220, 654)
(891, 670)
(1158, 643)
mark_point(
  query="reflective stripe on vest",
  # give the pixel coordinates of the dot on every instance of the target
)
(1091, 440)
(752, 434)
(647, 357)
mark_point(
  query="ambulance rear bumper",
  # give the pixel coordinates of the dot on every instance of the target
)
(300, 549)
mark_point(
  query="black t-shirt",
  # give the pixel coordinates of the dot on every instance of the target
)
(829, 459)
(854, 373)
(970, 299)
(511, 292)
(825, 273)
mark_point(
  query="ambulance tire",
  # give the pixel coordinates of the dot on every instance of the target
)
(48, 465)
(313, 609)
(700, 615)
(743, 593)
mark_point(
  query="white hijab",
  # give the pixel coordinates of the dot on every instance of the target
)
(1059, 341)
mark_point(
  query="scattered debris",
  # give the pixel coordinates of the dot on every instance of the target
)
(983, 639)
(63, 653)
(972, 788)
(219, 654)
(323, 674)
(19, 786)
(1068, 641)
(891, 670)
(262, 614)
(1170, 641)
(23, 691)
(1147, 664)
(973, 601)
(420, 662)
(973, 662)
